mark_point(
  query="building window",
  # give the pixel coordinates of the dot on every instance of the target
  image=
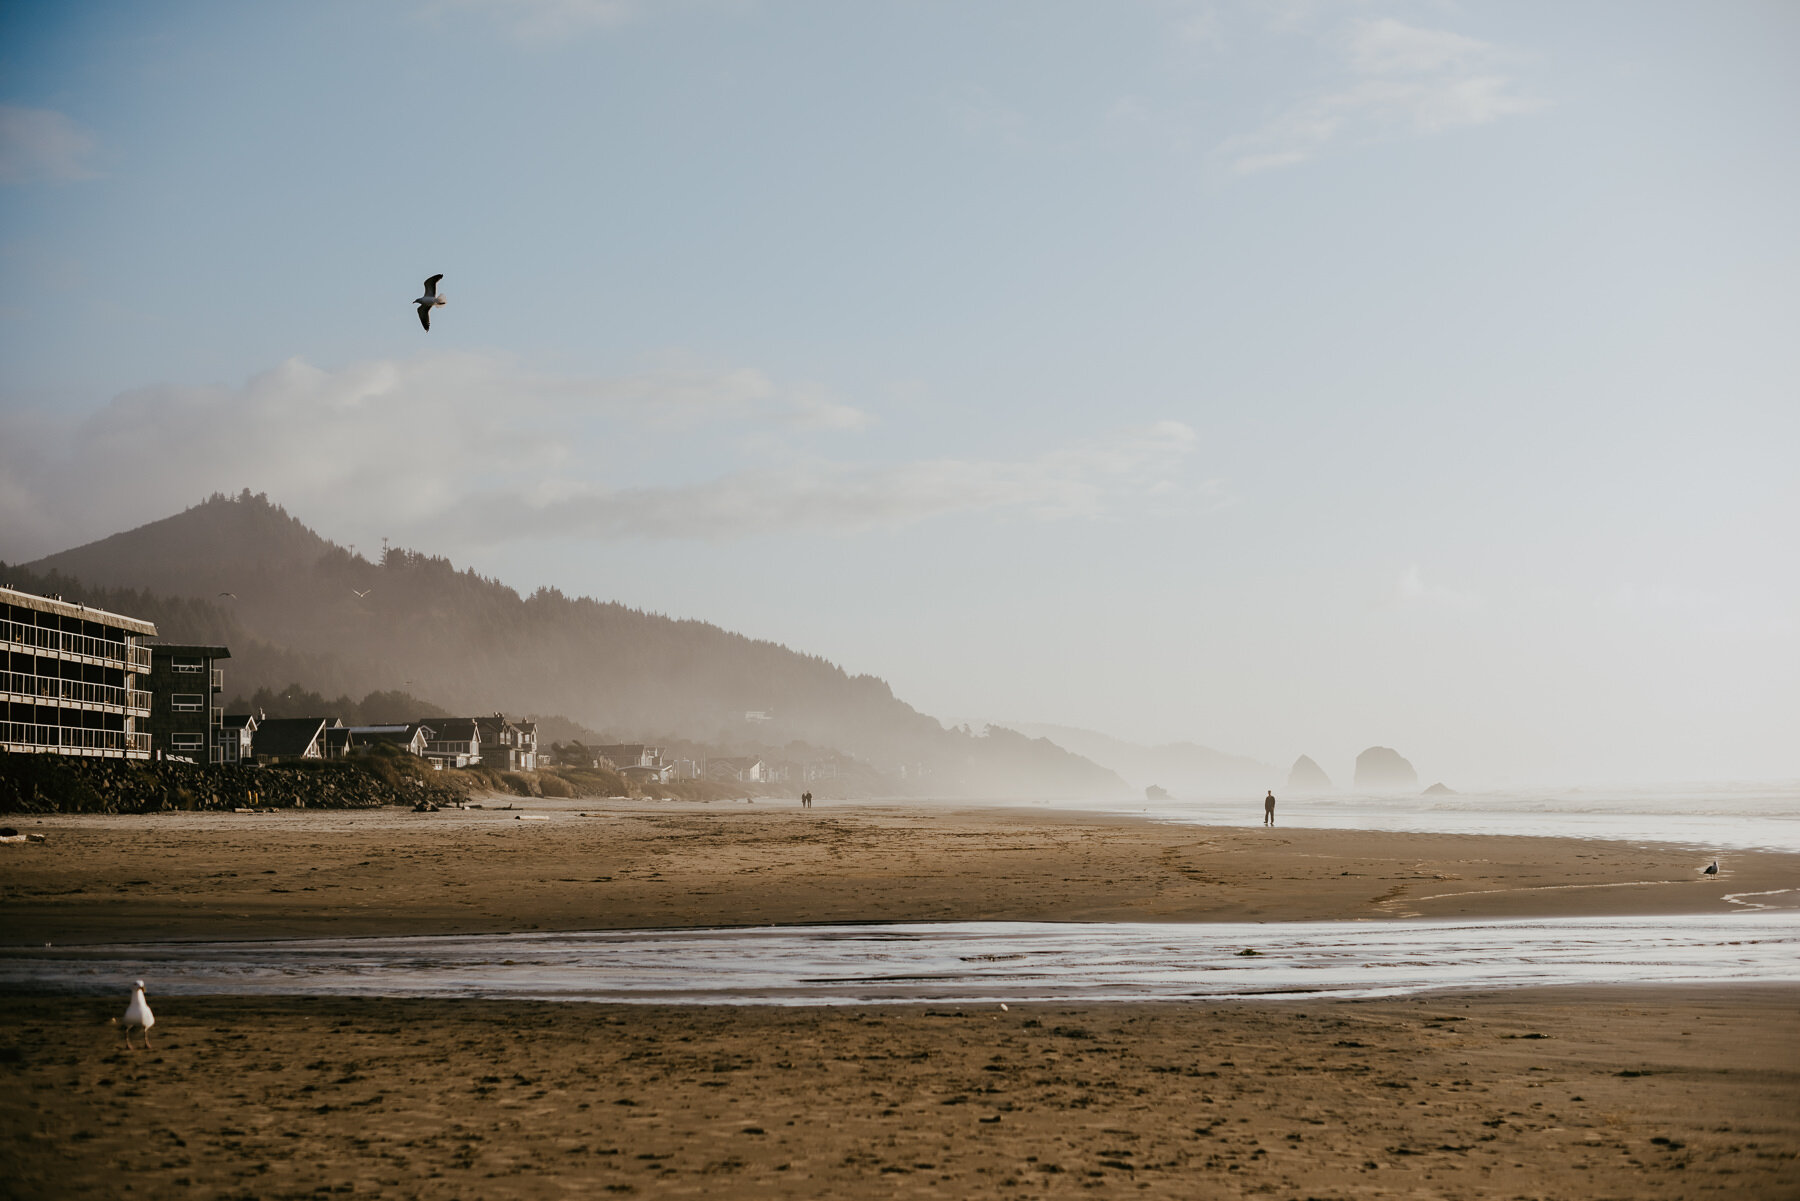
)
(187, 702)
(187, 742)
(187, 664)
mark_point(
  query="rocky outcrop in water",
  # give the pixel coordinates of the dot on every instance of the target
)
(1307, 776)
(1440, 789)
(1381, 767)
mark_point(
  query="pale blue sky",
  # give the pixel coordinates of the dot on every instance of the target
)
(1290, 377)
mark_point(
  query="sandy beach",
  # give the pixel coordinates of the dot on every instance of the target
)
(1565, 1093)
(591, 865)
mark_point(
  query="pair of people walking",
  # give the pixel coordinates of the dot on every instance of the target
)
(806, 800)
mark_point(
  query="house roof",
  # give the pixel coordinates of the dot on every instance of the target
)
(456, 729)
(400, 735)
(239, 720)
(286, 736)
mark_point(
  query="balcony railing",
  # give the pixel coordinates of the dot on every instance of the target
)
(218, 679)
(131, 658)
(49, 688)
(218, 716)
(71, 739)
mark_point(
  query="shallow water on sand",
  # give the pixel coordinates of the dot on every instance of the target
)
(1711, 818)
(954, 962)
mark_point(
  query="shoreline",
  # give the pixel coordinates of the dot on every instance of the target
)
(1646, 1090)
(588, 866)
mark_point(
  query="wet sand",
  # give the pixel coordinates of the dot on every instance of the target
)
(312, 874)
(1608, 1093)
(1616, 1092)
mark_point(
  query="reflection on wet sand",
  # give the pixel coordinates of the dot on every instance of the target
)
(960, 961)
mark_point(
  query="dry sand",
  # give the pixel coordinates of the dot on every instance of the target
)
(1619, 1092)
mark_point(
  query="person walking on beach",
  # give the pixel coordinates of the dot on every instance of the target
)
(1269, 808)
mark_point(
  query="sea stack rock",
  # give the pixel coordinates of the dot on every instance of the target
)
(1381, 767)
(1307, 776)
(1440, 789)
(1156, 793)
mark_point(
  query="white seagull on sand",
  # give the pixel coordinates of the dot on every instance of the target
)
(137, 1014)
(429, 301)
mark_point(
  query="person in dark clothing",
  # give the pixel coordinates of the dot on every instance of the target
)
(1269, 808)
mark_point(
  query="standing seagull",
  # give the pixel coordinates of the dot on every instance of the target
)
(138, 1014)
(429, 301)
(1713, 870)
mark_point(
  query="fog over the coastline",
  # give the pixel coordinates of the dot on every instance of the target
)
(1287, 379)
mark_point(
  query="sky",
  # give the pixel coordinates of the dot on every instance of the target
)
(1289, 377)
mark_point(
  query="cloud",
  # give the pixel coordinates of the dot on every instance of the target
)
(40, 145)
(468, 450)
(1403, 81)
(546, 20)
(842, 498)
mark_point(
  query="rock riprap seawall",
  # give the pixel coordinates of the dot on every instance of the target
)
(60, 784)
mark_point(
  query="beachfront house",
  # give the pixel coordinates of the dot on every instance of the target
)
(743, 769)
(411, 737)
(280, 739)
(234, 734)
(454, 742)
(508, 745)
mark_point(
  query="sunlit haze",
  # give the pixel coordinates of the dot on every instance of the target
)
(1287, 378)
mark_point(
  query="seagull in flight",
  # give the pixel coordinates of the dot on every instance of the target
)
(232, 595)
(360, 593)
(430, 300)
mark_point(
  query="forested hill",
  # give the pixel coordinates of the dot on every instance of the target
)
(294, 614)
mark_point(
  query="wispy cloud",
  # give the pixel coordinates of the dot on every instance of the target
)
(40, 145)
(545, 20)
(466, 450)
(842, 498)
(1403, 80)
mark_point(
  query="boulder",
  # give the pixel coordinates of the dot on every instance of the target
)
(1381, 767)
(1156, 793)
(1440, 789)
(1307, 776)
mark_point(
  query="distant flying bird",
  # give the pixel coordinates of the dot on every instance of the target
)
(364, 592)
(429, 301)
(232, 595)
(1713, 870)
(137, 1014)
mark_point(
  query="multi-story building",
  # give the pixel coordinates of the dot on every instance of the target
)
(70, 678)
(184, 720)
(500, 742)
